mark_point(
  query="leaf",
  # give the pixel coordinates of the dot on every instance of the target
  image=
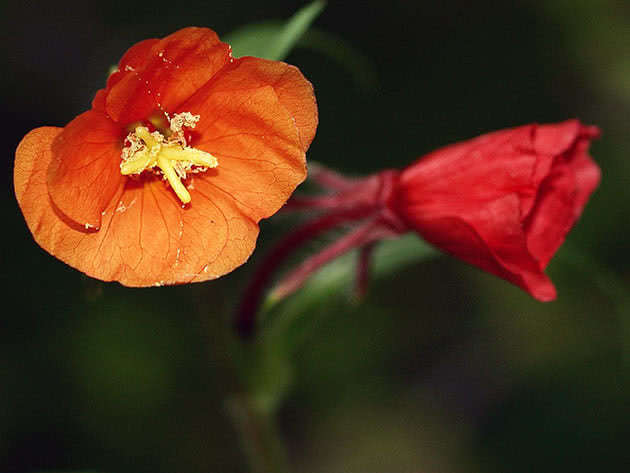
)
(360, 67)
(254, 39)
(264, 40)
(272, 39)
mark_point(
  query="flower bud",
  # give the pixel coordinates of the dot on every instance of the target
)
(504, 201)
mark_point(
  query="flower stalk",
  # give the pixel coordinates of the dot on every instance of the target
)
(503, 202)
(361, 204)
(259, 435)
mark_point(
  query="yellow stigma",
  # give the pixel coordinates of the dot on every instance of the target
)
(172, 156)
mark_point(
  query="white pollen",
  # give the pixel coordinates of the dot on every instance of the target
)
(123, 208)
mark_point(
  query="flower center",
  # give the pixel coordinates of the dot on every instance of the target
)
(167, 155)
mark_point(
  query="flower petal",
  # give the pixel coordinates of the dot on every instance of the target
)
(146, 238)
(135, 58)
(503, 201)
(149, 239)
(32, 157)
(138, 55)
(161, 74)
(587, 172)
(484, 168)
(555, 138)
(487, 235)
(247, 127)
(294, 92)
(553, 216)
(84, 172)
(562, 197)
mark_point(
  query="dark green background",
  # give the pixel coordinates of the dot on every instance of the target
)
(442, 368)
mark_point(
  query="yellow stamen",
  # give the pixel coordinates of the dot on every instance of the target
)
(172, 156)
(195, 156)
(138, 163)
(142, 132)
(173, 179)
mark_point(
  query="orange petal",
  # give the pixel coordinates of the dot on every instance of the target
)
(32, 157)
(253, 135)
(138, 55)
(161, 74)
(146, 238)
(98, 102)
(84, 172)
(294, 92)
(135, 58)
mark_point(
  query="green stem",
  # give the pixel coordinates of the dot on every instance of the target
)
(259, 435)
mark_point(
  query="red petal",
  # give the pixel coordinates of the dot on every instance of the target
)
(84, 172)
(503, 201)
(561, 197)
(253, 135)
(161, 74)
(146, 237)
(555, 138)
(552, 217)
(483, 168)
(487, 235)
(587, 173)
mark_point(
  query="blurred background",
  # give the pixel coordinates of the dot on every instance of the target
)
(442, 368)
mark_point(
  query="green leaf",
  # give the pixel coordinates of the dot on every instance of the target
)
(271, 39)
(325, 288)
(254, 39)
(360, 67)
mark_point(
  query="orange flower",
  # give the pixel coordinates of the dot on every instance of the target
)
(165, 179)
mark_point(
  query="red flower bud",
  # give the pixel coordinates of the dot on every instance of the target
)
(503, 201)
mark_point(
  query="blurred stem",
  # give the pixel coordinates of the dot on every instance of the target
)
(254, 376)
(264, 376)
(259, 435)
(363, 270)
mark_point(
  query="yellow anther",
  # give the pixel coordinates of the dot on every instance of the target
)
(138, 163)
(173, 179)
(192, 155)
(173, 158)
(143, 133)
